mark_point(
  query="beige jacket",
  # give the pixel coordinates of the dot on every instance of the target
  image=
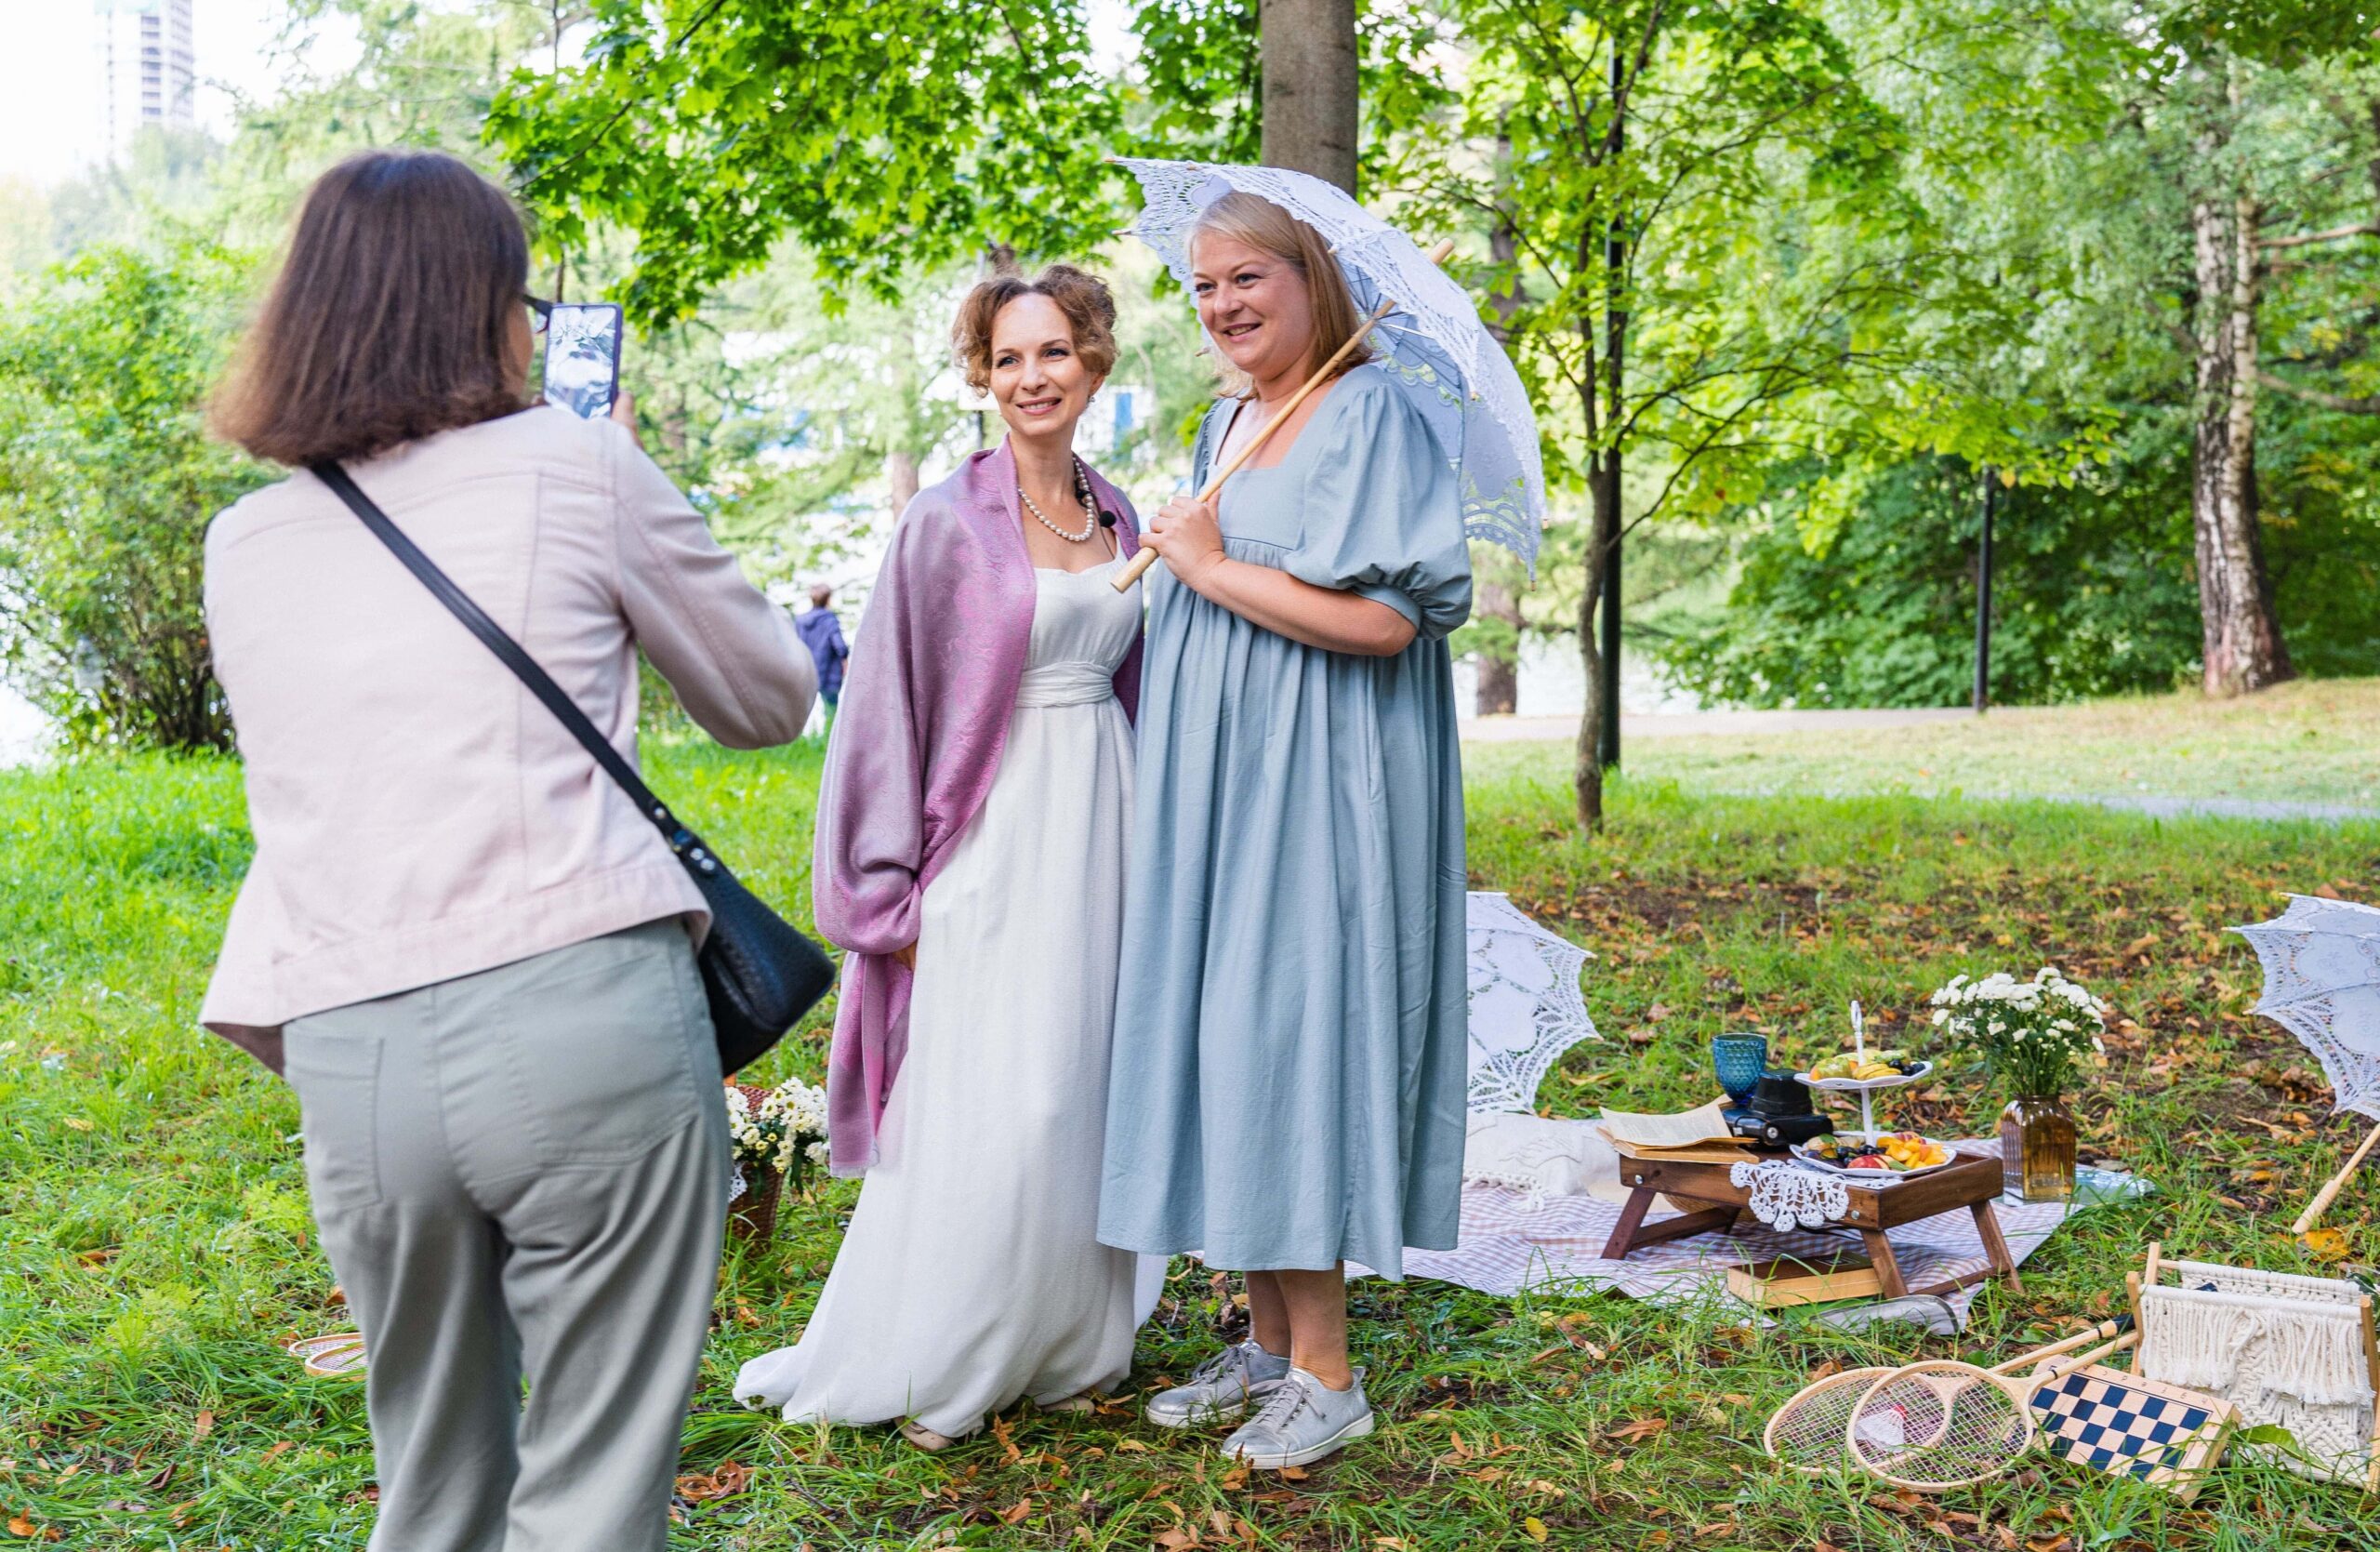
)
(418, 815)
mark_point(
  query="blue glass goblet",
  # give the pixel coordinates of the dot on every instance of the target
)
(1740, 1060)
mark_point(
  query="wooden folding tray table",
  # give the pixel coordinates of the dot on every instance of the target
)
(1973, 1181)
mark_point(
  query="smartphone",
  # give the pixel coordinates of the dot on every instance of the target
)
(583, 358)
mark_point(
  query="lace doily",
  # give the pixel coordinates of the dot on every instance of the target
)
(2322, 962)
(1433, 344)
(1526, 1007)
(1786, 1196)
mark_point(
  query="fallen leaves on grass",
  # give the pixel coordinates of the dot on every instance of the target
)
(1536, 1529)
(731, 1479)
(1641, 1429)
(2325, 1244)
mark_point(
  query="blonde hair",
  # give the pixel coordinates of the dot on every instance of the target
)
(1267, 228)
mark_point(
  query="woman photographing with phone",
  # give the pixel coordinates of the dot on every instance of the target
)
(1287, 1088)
(471, 956)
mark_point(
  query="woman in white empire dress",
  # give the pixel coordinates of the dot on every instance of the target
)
(972, 1274)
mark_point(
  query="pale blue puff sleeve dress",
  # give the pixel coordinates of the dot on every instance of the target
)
(1288, 1057)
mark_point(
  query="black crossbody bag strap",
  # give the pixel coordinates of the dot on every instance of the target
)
(492, 636)
(759, 975)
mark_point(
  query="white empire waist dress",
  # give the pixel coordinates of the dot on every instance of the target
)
(972, 1274)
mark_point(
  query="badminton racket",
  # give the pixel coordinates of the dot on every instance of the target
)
(1941, 1424)
(1807, 1432)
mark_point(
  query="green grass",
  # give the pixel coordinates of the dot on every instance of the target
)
(157, 1246)
(2312, 741)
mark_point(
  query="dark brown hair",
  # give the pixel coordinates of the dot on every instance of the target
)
(1082, 296)
(392, 318)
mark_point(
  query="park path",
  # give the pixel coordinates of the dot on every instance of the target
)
(1687, 725)
(2221, 808)
(1693, 724)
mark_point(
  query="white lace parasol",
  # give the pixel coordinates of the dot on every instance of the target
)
(1526, 1007)
(1433, 343)
(2322, 961)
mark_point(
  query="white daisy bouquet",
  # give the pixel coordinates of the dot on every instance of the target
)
(782, 1130)
(2031, 1034)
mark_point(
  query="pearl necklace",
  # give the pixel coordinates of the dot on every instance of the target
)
(1082, 493)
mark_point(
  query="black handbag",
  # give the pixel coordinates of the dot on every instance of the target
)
(760, 974)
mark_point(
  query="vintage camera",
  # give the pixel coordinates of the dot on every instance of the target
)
(1779, 1112)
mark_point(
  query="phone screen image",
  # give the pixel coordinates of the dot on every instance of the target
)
(583, 358)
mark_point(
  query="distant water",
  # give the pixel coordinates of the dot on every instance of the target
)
(24, 733)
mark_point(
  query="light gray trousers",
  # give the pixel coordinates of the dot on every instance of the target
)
(524, 1172)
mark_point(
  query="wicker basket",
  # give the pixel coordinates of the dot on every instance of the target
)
(752, 1216)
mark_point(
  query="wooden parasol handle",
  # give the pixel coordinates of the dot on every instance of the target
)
(1139, 563)
(2314, 1210)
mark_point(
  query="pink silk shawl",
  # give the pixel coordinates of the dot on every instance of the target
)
(927, 696)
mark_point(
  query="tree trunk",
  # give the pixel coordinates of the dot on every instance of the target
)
(1309, 86)
(1588, 767)
(1499, 691)
(2243, 650)
(901, 474)
(1500, 678)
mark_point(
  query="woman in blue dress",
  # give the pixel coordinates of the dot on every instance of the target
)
(1287, 1085)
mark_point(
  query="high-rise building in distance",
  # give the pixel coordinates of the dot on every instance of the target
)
(148, 69)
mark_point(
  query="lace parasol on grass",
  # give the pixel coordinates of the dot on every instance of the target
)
(1525, 1006)
(2322, 962)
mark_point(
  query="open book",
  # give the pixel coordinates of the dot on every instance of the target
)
(1670, 1135)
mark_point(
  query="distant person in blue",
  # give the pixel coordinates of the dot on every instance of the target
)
(1287, 1090)
(822, 634)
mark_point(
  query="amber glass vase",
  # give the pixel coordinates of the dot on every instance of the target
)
(2037, 1148)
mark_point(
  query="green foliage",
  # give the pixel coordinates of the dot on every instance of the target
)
(107, 482)
(886, 138)
(2090, 594)
(1198, 92)
(1730, 124)
(1200, 72)
(2321, 478)
(775, 413)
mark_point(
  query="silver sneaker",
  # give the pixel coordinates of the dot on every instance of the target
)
(1219, 1388)
(1302, 1420)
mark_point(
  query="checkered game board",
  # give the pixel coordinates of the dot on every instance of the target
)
(2112, 1421)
